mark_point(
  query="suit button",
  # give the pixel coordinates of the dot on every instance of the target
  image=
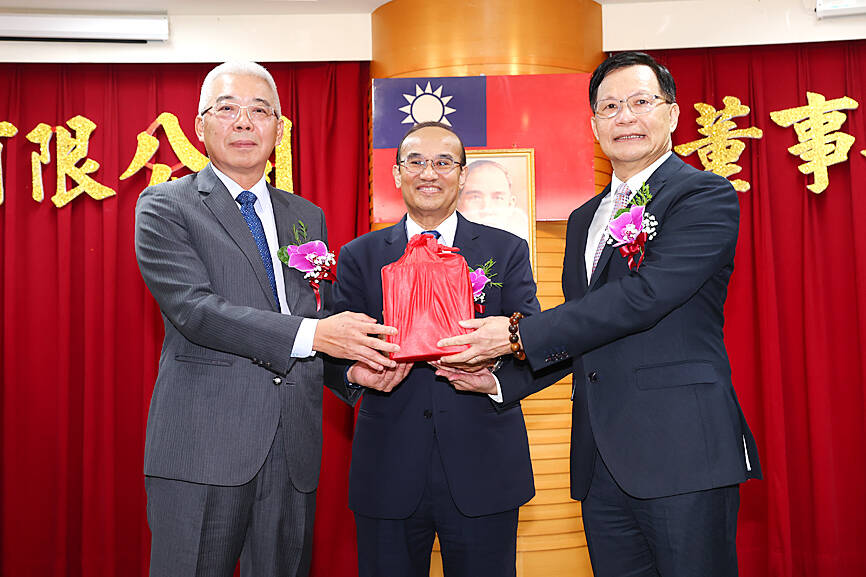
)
(593, 377)
(278, 381)
(428, 413)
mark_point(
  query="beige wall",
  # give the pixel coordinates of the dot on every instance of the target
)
(215, 38)
(695, 23)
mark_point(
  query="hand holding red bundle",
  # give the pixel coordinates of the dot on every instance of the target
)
(424, 295)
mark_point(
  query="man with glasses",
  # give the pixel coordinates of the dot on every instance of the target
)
(234, 431)
(432, 453)
(659, 442)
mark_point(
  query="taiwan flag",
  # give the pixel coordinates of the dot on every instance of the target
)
(542, 118)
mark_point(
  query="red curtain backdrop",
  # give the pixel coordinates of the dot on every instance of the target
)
(81, 334)
(796, 310)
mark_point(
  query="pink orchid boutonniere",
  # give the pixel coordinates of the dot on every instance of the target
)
(480, 278)
(311, 258)
(632, 227)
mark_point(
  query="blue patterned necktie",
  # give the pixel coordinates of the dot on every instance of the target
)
(434, 233)
(247, 200)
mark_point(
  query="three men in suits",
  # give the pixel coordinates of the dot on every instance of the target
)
(659, 442)
(431, 456)
(234, 430)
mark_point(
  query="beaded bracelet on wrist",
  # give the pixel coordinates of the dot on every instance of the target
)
(514, 338)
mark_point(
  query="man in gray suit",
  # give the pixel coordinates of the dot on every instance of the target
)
(234, 430)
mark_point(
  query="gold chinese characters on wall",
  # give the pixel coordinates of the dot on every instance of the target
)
(72, 161)
(817, 124)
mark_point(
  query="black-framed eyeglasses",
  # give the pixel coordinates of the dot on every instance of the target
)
(442, 166)
(640, 103)
(230, 111)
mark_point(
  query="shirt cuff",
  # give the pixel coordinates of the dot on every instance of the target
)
(303, 346)
(498, 396)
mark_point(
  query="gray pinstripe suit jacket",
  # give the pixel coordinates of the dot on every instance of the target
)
(226, 377)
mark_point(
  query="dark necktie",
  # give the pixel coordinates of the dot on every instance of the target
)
(434, 233)
(247, 200)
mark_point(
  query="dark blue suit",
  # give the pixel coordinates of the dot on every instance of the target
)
(652, 382)
(483, 447)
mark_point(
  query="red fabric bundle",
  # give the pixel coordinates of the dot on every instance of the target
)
(424, 295)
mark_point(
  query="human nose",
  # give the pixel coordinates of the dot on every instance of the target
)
(428, 165)
(625, 113)
(244, 120)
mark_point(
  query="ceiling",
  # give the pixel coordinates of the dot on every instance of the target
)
(211, 6)
(250, 7)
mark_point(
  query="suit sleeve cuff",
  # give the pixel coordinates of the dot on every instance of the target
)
(303, 345)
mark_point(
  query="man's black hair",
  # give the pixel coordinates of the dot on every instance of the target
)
(624, 60)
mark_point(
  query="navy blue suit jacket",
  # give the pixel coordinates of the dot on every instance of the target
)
(652, 381)
(484, 448)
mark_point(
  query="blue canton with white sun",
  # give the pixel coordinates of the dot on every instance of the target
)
(427, 105)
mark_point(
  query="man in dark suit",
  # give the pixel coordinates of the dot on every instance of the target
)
(234, 430)
(431, 456)
(659, 442)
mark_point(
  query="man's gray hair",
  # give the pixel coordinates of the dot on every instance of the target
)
(239, 68)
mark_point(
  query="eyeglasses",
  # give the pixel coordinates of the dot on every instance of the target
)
(417, 165)
(230, 111)
(640, 103)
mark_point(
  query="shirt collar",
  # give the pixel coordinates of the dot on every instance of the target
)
(638, 180)
(447, 229)
(260, 189)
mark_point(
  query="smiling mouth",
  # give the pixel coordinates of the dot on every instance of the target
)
(629, 137)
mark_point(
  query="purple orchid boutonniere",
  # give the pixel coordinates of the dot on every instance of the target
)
(632, 227)
(311, 258)
(480, 278)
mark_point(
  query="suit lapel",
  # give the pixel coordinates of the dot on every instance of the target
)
(224, 208)
(605, 254)
(466, 239)
(663, 173)
(285, 219)
(392, 248)
(395, 242)
(656, 183)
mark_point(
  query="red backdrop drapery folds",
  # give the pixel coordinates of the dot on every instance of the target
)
(796, 309)
(81, 334)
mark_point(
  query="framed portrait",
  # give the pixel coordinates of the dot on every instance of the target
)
(500, 191)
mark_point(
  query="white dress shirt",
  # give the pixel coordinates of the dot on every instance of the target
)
(605, 208)
(303, 345)
(446, 229)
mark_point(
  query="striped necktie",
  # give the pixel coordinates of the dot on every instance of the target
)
(620, 200)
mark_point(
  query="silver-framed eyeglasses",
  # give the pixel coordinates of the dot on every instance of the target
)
(230, 111)
(417, 164)
(640, 103)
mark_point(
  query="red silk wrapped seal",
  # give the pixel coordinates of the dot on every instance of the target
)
(424, 295)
